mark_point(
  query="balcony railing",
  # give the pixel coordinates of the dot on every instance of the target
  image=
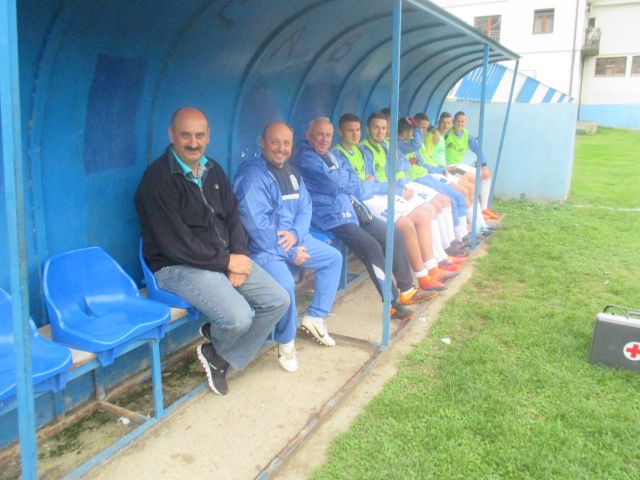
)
(494, 36)
(591, 42)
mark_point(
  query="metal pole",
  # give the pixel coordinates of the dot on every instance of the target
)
(483, 95)
(391, 168)
(504, 130)
(14, 205)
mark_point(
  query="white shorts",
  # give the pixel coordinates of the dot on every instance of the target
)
(448, 179)
(422, 191)
(452, 179)
(378, 206)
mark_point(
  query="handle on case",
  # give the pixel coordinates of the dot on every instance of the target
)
(629, 311)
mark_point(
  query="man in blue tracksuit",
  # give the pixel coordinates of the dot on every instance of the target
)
(275, 208)
(332, 184)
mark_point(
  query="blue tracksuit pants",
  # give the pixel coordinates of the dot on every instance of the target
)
(327, 263)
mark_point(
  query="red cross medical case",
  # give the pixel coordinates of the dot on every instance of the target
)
(616, 338)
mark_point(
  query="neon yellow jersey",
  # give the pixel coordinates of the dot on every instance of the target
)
(456, 147)
(437, 156)
(355, 159)
(379, 155)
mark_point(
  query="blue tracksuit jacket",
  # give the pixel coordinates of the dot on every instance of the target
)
(264, 211)
(330, 187)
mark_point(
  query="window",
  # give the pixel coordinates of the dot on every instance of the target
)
(635, 65)
(611, 66)
(543, 21)
(490, 26)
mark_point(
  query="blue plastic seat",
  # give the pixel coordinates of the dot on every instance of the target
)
(154, 292)
(49, 360)
(95, 306)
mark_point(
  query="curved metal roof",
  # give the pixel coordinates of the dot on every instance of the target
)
(99, 81)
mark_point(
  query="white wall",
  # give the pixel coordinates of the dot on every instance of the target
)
(619, 36)
(538, 170)
(545, 57)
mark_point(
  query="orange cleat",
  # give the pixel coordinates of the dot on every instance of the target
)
(490, 214)
(402, 313)
(416, 295)
(428, 283)
(457, 260)
(449, 267)
(441, 275)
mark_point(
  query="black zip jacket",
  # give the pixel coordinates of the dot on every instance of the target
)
(183, 224)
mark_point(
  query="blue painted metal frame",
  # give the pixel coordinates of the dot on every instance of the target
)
(15, 211)
(391, 168)
(483, 99)
(504, 130)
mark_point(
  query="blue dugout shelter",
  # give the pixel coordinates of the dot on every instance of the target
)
(87, 89)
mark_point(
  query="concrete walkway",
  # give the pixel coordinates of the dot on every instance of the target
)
(238, 436)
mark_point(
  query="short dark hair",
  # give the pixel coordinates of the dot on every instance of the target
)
(404, 126)
(421, 116)
(386, 112)
(375, 116)
(444, 115)
(348, 117)
(459, 114)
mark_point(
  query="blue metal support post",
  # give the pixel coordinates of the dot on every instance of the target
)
(483, 97)
(156, 378)
(15, 210)
(504, 129)
(391, 168)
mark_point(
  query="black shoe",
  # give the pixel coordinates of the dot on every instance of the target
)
(400, 312)
(463, 244)
(205, 330)
(216, 368)
(457, 252)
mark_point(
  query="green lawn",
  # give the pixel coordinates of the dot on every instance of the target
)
(514, 396)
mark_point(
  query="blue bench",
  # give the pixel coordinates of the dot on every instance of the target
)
(95, 306)
(154, 292)
(49, 361)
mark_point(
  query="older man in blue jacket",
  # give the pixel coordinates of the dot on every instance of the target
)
(276, 211)
(333, 184)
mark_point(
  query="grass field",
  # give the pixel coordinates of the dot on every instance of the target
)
(514, 396)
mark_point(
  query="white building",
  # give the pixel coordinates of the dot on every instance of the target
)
(547, 34)
(611, 66)
(588, 49)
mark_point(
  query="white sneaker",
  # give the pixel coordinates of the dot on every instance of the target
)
(287, 356)
(316, 327)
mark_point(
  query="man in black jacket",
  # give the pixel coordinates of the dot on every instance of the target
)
(194, 242)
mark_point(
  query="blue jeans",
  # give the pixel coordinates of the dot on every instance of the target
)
(241, 318)
(327, 263)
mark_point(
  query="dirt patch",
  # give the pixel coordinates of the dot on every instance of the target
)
(72, 446)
